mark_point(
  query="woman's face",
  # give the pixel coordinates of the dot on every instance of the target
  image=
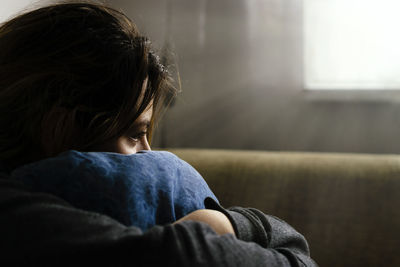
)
(136, 140)
(133, 141)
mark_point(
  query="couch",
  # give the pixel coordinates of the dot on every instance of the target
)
(346, 205)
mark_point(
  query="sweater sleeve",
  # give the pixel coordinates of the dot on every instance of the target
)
(270, 232)
(42, 230)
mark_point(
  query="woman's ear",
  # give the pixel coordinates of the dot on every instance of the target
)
(59, 131)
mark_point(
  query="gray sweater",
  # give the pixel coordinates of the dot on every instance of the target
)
(39, 229)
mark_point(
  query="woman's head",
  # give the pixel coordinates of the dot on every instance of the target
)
(75, 76)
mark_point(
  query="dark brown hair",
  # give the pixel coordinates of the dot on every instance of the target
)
(71, 77)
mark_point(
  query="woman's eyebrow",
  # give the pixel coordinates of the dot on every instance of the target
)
(142, 123)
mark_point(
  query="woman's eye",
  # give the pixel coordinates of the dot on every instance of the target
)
(137, 136)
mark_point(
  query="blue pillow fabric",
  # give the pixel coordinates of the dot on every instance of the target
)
(142, 189)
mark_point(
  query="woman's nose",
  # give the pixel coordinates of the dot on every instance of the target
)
(143, 145)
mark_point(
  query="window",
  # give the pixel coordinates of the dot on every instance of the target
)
(351, 44)
(10, 7)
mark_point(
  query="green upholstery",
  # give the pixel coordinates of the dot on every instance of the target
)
(346, 205)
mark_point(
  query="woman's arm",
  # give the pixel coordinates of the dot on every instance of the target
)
(40, 229)
(218, 221)
(251, 225)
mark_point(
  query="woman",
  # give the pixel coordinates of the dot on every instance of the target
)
(80, 76)
(76, 76)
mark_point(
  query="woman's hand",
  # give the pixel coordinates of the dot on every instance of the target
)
(215, 219)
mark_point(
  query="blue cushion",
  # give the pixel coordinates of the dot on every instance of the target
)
(143, 189)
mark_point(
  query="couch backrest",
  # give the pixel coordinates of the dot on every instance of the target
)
(346, 205)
